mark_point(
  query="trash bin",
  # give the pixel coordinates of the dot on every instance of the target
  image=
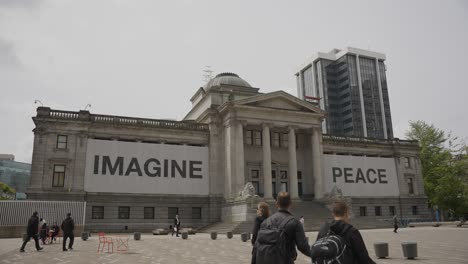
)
(244, 237)
(410, 249)
(184, 235)
(381, 249)
(214, 235)
(137, 235)
(84, 236)
(229, 234)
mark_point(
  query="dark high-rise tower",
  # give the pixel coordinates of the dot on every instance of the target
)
(352, 87)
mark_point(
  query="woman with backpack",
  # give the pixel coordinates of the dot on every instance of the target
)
(351, 248)
(263, 212)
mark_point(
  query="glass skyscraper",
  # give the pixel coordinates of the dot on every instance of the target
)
(16, 175)
(351, 87)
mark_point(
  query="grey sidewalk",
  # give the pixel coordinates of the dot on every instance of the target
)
(435, 245)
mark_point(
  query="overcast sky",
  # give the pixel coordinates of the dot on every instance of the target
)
(146, 58)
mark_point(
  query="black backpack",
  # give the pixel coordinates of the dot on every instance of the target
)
(271, 242)
(331, 248)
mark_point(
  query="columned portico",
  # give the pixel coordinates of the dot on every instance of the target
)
(292, 163)
(267, 181)
(317, 163)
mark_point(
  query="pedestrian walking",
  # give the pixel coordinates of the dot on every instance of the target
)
(176, 224)
(279, 235)
(395, 224)
(31, 232)
(263, 212)
(68, 225)
(340, 242)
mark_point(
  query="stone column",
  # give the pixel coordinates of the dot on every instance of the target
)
(317, 163)
(267, 182)
(292, 164)
(239, 142)
(230, 153)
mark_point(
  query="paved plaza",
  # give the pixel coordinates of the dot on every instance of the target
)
(435, 245)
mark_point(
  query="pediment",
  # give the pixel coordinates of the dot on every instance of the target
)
(279, 100)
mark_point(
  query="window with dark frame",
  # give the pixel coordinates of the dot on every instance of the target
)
(148, 213)
(62, 141)
(97, 212)
(273, 174)
(407, 162)
(58, 179)
(254, 174)
(362, 211)
(283, 174)
(378, 211)
(124, 212)
(249, 137)
(258, 138)
(299, 175)
(410, 186)
(172, 212)
(414, 209)
(196, 213)
(391, 209)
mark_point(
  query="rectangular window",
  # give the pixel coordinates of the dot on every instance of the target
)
(171, 212)
(256, 185)
(299, 175)
(378, 211)
(97, 212)
(284, 140)
(391, 209)
(148, 212)
(249, 137)
(299, 188)
(258, 138)
(254, 174)
(362, 211)
(414, 209)
(59, 176)
(124, 212)
(410, 186)
(196, 213)
(283, 174)
(275, 139)
(407, 162)
(273, 174)
(62, 142)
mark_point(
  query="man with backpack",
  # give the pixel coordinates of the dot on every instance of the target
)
(340, 242)
(279, 235)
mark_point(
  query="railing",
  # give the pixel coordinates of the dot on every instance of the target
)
(370, 140)
(122, 120)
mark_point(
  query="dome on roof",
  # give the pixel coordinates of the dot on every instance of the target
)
(227, 78)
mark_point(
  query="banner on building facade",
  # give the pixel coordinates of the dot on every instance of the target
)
(361, 176)
(133, 167)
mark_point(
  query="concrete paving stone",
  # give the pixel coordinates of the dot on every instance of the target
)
(435, 245)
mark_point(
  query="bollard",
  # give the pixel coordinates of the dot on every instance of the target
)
(410, 249)
(137, 235)
(229, 235)
(381, 249)
(244, 237)
(184, 235)
(214, 235)
(84, 236)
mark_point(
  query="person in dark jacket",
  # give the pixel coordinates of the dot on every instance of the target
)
(293, 235)
(68, 225)
(358, 252)
(31, 231)
(177, 224)
(43, 233)
(263, 212)
(395, 224)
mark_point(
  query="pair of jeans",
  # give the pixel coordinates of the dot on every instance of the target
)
(65, 237)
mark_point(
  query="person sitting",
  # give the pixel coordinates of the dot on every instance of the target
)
(54, 234)
(43, 233)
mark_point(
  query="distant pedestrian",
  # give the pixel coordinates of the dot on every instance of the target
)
(31, 232)
(68, 225)
(340, 242)
(302, 222)
(263, 212)
(176, 224)
(395, 224)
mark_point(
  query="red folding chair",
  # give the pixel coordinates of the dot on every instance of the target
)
(103, 240)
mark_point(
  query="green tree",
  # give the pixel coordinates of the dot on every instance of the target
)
(5, 189)
(444, 166)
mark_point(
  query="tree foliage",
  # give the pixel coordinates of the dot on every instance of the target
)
(444, 163)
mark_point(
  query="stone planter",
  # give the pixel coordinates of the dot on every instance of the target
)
(137, 235)
(184, 235)
(381, 249)
(214, 235)
(410, 249)
(244, 237)
(229, 235)
(84, 236)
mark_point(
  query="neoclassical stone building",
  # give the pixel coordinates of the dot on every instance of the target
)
(137, 173)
